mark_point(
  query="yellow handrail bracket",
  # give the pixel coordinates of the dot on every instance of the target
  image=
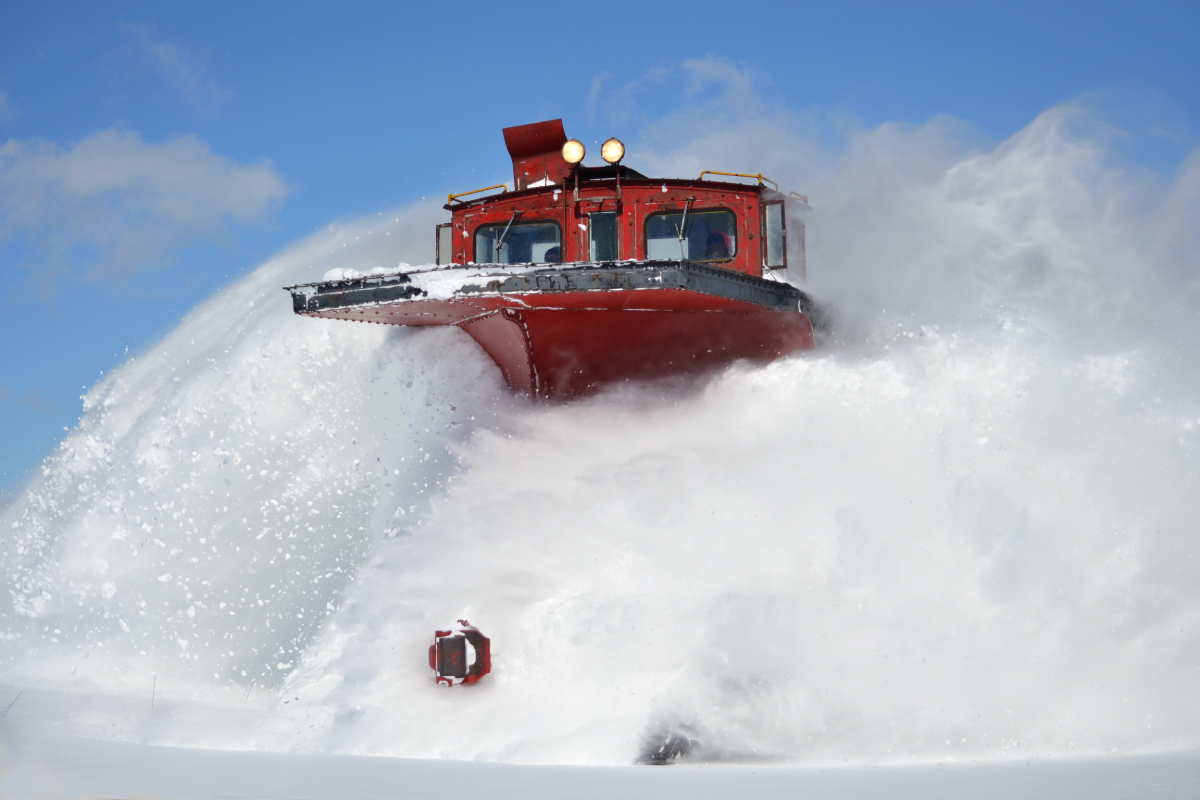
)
(759, 177)
(454, 197)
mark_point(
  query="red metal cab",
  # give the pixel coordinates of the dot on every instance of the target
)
(585, 276)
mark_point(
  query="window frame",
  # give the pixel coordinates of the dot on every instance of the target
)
(481, 225)
(766, 235)
(616, 233)
(693, 210)
(437, 244)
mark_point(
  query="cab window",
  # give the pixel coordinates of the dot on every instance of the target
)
(776, 243)
(602, 236)
(527, 242)
(710, 235)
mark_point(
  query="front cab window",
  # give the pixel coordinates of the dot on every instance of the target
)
(526, 243)
(602, 236)
(710, 235)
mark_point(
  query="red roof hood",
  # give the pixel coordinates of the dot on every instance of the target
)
(536, 152)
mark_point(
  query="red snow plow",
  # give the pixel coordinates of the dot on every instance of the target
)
(457, 656)
(586, 276)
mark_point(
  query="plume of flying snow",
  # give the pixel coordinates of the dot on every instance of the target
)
(225, 486)
(963, 529)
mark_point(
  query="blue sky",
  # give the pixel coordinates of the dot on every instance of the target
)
(150, 153)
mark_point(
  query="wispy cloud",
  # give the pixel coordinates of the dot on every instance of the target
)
(31, 398)
(113, 204)
(715, 85)
(8, 112)
(593, 97)
(180, 66)
(729, 80)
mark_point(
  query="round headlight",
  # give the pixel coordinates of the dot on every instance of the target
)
(612, 151)
(573, 151)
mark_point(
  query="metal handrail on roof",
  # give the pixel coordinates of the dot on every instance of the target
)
(454, 197)
(760, 177)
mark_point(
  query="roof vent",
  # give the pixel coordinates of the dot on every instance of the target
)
(536, 152)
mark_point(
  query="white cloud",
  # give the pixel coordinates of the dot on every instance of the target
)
(707, 86)
(594, 94)
(731, 80)
(31, 397)
(125, 202)
(8, 112)
(180, 66)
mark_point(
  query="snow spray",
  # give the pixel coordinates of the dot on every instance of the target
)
(964, 528)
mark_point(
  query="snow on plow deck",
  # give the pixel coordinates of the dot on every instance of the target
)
(480, 282)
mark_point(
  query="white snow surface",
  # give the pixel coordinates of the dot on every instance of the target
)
(438, 283)
(349, 273)
(39, 759)
(963, 529)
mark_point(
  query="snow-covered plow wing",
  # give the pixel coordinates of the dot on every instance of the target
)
(476, 283)
(563, 331)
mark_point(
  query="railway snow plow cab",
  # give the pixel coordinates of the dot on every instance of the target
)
(581, 277)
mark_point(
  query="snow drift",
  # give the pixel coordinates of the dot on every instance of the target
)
(965, 528)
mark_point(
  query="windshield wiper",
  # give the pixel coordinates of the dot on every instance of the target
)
(681, 228)
(504, 236)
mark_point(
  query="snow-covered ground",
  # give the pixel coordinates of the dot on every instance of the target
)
(961, 533)
(43, 755)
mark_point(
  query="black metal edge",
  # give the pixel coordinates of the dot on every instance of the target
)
(678, 274)
(350, 283)
(342, 298)
(578, 276)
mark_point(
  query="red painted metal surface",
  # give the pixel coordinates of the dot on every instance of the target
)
(572, 353)
(536, 155)
(505, 337)
(536, 152)
(568, 344)
(640, 198)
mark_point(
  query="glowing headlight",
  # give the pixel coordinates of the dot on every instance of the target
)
(573, 151)
(612, 151)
